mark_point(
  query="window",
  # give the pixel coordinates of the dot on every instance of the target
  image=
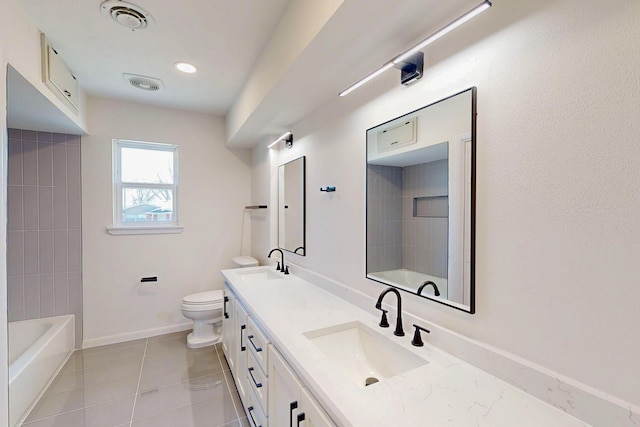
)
(145, 187)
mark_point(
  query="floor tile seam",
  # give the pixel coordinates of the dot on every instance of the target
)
(97, 350)
(61, 373)
(175, 349)
(183, 381)
(100, 365)
(233, 402)
(135, 399)
(182, 407)
(75, 410)
(90, 385)
(120, 362)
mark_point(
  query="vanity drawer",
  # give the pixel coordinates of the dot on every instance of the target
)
(257, 343)
(258, 382)
(255, 414)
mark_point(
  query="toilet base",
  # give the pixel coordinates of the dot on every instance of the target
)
(203, 341)
(205, 333)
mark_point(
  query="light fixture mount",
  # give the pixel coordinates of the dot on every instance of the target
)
(287, 137)
(411, 52)
(411, 68)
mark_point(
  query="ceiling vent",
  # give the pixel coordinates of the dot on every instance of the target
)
(143, 82)
(126, 14)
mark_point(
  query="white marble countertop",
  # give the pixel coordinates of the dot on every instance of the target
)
(444, 392)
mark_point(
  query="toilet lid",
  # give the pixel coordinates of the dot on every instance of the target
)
(245, 261)
(204, 297)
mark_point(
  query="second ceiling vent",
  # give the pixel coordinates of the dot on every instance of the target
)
(126, 14)
(147, 83)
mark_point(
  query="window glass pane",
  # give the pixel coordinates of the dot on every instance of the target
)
(149, 166)
(147, 205)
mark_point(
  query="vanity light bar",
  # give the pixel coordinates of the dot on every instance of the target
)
(284, 136)
(433, 37)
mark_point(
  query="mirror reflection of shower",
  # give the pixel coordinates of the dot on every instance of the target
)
(419, 201)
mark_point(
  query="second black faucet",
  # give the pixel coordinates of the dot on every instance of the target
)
(399, 331)
(284, 269)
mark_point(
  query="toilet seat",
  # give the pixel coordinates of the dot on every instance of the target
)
(203, 301)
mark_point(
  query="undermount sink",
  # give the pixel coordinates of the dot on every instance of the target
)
(365, 356)
(259, 274)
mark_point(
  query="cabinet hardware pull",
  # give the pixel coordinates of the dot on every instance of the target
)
(254, 344)
(292, 406)
(250, 409)
(66, 92)
(226, 300)
(258, 385)
(300, 419)
(242, 347)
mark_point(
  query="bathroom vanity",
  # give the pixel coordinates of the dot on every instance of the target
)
(302, 356)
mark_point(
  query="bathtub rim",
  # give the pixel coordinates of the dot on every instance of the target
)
(21, 362)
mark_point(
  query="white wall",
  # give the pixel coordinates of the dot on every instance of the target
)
(558, 237)
(214, 187)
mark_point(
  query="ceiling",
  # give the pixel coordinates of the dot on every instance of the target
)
(222, 38)
(235, 44)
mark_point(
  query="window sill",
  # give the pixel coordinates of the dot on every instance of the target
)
(156, 229)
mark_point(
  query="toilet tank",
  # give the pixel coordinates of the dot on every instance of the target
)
(245, 261)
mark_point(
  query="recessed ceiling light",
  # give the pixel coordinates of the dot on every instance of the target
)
(185, 67)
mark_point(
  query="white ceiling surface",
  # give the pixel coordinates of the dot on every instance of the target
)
(359, 38)
(222, 38)
(225, 39)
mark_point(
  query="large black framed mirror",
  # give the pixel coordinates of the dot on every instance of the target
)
(421, 201)
(291, 206)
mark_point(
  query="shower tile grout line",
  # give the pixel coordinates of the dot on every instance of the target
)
(135, 398)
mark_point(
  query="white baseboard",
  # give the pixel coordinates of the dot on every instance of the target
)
(136, 335)
(584, 402)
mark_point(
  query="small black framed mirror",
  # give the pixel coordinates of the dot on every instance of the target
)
(291, 206)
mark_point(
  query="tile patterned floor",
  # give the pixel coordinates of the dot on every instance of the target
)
(155, 382)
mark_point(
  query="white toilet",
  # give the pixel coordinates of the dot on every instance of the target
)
(205, 309)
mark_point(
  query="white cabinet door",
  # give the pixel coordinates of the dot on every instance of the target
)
(228, 328)
(284, 392)
(241, 350)
(313, 415)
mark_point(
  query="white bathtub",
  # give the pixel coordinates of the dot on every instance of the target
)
(38, 349)
(411, 281)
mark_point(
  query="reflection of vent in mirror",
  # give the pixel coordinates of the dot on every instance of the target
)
(431, 207)
(397, 136)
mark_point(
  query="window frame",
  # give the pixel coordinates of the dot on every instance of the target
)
(119, 186)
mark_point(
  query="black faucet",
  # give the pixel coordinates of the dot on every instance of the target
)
(436, 292)
(284, 269)
(398, 332)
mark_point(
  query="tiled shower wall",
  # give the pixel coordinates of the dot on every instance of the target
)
(395, 238)
(425, 240)
(44, 252)
(384, 218)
